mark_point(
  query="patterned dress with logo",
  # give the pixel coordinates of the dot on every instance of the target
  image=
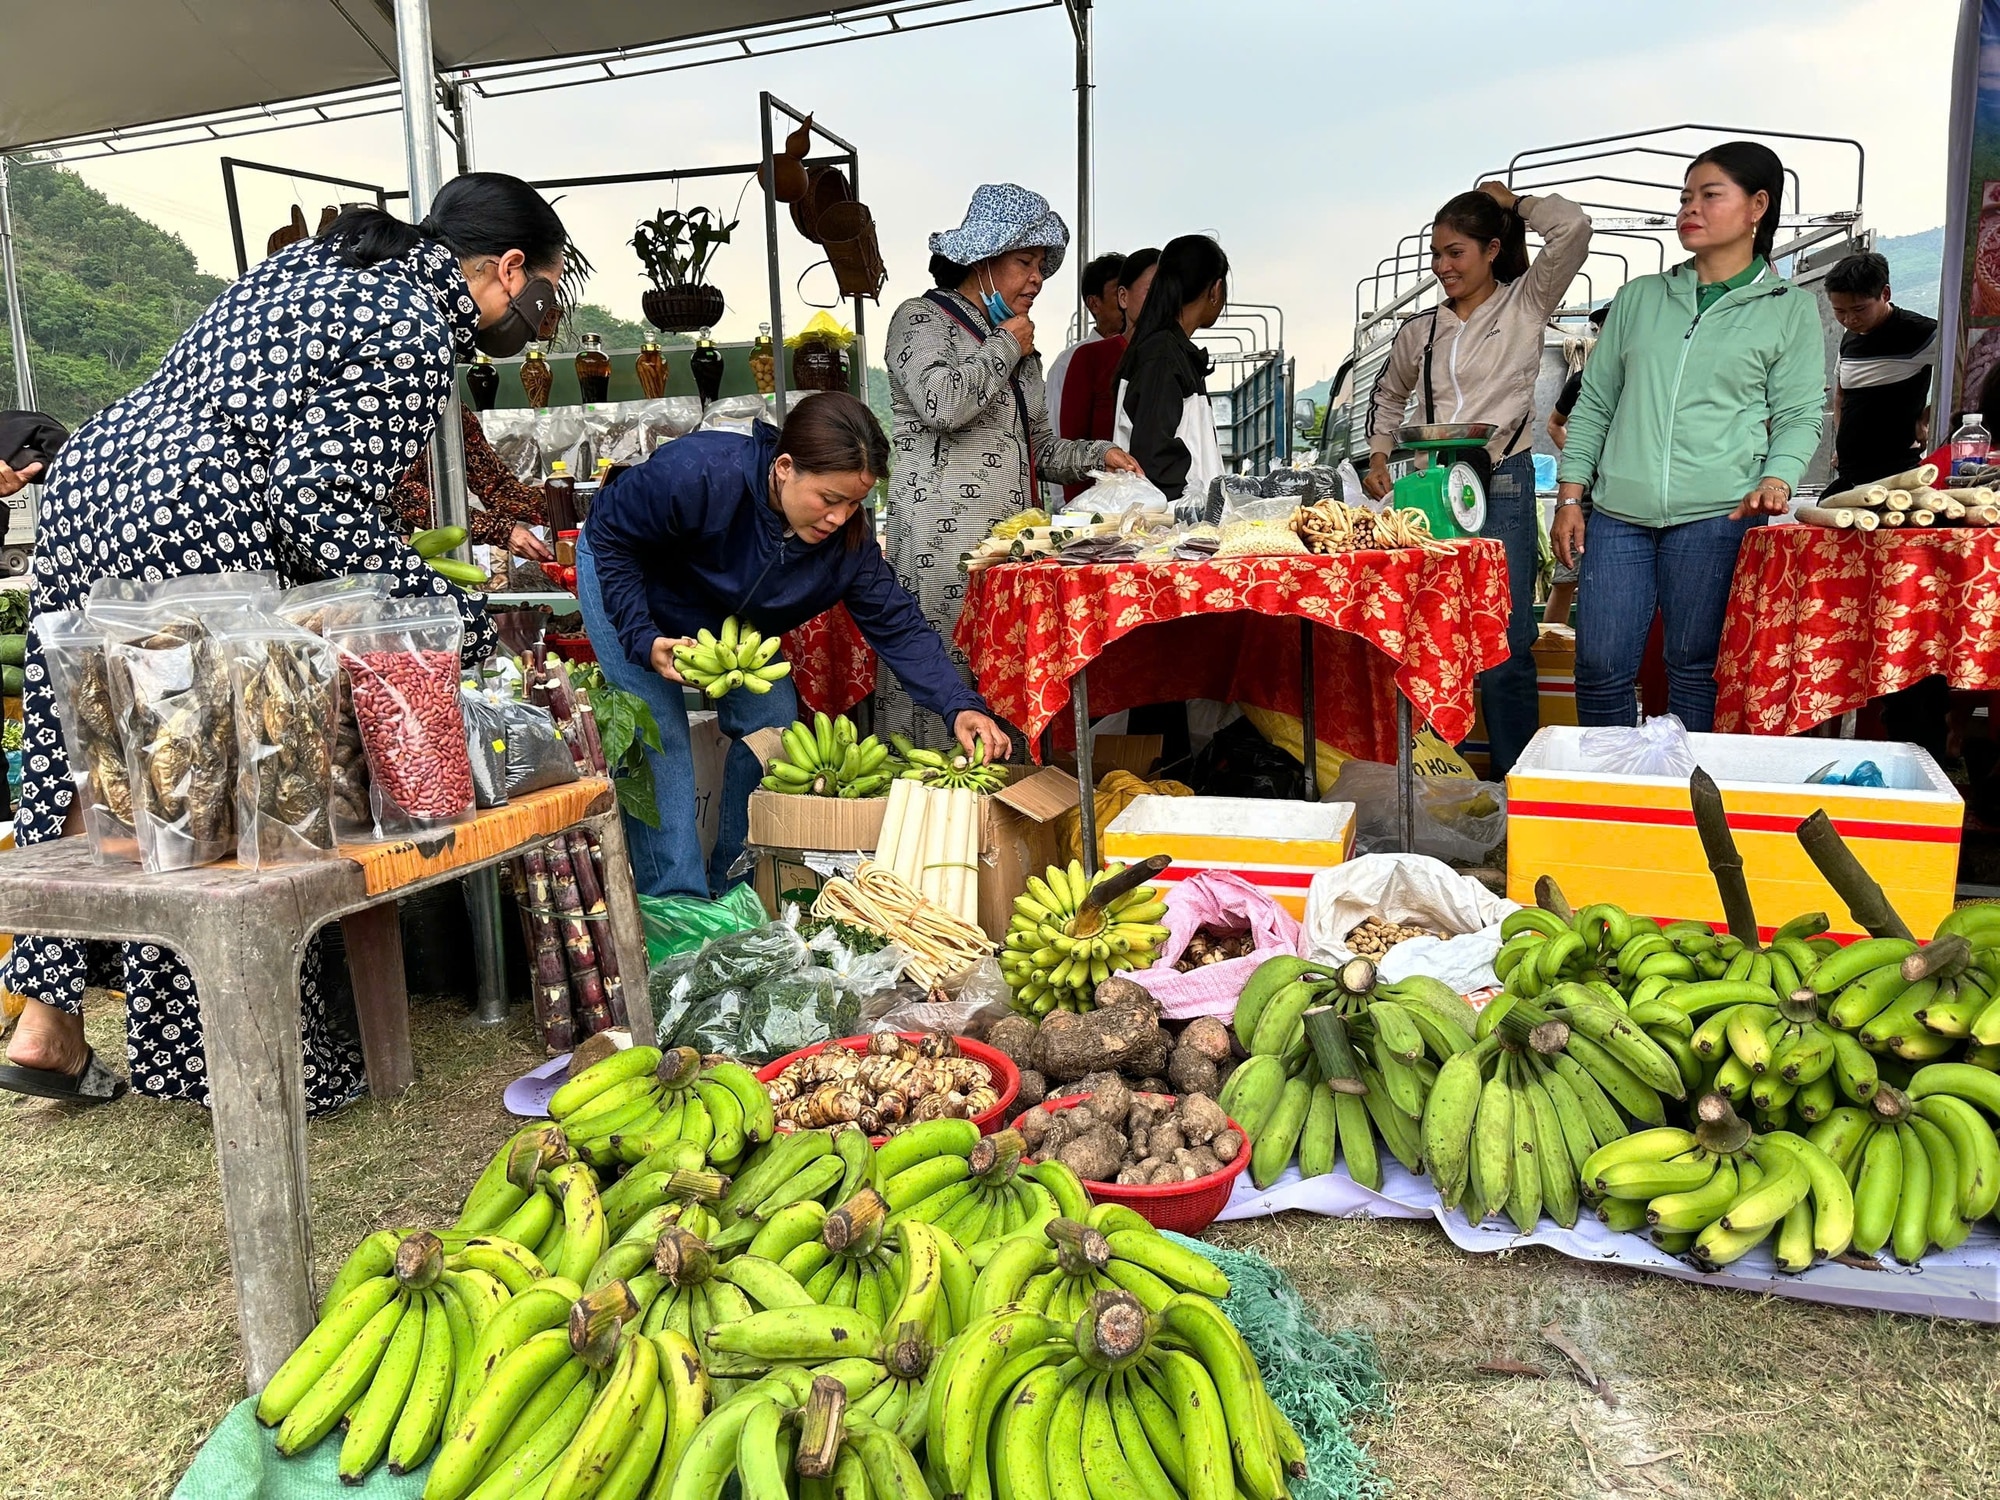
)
(971, 432)
(271, 434)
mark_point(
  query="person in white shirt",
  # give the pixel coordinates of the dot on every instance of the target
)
(1107, 318)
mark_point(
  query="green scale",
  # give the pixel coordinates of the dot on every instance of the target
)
(1441, 483)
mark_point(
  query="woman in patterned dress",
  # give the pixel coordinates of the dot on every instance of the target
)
(270, 435)
(970, 412)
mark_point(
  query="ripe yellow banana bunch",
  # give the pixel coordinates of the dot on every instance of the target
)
(735, 657)
(1054, 959)
(1716, 1192)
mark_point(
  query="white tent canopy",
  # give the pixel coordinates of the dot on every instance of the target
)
(88, 72)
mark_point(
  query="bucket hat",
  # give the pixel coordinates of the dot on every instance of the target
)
(1003, 217)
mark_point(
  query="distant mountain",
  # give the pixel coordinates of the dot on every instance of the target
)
(1916, 261)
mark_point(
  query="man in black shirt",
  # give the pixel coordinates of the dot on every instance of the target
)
(1881, 400)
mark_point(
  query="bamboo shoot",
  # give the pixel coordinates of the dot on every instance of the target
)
(1923, 475)
(893, 813)
(910, 859)
(1923, 518)
(931, 864)
(1894, 518)
(1900, 500)
(1841, 518)
(1866, 495)
(1866, 520)
(951, 878)
(975, 823)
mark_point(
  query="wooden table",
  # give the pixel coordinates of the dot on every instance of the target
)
(243, 934)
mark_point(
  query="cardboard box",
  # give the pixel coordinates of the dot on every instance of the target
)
(1631, 840)
(1555, 685)
(1276, 846)
(1134, 753)
(710, 747)
(1017, 836)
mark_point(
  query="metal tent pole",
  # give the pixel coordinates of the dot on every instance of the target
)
(413, 65)
(1958, 184)
(17, 326)
(771, 256)
(1083, 20)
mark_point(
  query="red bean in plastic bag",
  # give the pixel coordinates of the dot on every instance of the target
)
(406, 704)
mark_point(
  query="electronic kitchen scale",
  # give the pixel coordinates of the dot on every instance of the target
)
(1446, 488)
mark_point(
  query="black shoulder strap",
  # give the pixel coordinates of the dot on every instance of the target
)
(1430, 397)
(956, 314)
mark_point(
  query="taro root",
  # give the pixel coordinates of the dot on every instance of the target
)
(1095, 1156)
(1208, 1035)
(1153, 1085)
(1118, 991)
(1201, 1119)
(1227, 1146)
(1014, 1036)
(1034, 1088)
(1125, 1038)
(1034, 1126)
(1192, 1071)
(1111, 1101)
(1166, 1139)
(1202, 1160)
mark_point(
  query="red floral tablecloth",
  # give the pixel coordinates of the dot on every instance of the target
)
(831, 665)
(1164, 633)
(1820, 621)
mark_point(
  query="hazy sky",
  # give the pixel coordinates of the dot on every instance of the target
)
(1306, 134)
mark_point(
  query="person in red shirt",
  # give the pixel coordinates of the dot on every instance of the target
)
(1090, 385)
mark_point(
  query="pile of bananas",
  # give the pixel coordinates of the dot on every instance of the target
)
(1605, 943)
(1715, 1192)
(823, 759)
(432, 545)
(637, 1101)
(1057, 952)
(797, 1175)
(736, 657)
(1120, 1402)
(1060, 1271)
(1924, 1164)
(800, 1436)
(952, 771)
(1339, 1066)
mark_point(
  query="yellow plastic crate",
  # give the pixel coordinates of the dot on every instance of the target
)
(1276, 846)
(1631, 840)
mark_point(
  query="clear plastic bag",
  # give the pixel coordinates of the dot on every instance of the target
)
(667, 418)
(536, 754)
(1457, 818)
(1658, 747)
(749, 958)
(710, 1024)
(680, 925)
(982, 999)
(562, 437)
(737, 414)
(1116, 494)
(402, 668)
(790, 1011)
(485, 747)
(511, 435)
(317, 607)
(79, 679)
(284, 684)
(859, 974)
(170, 686)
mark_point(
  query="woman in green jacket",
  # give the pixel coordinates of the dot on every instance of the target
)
(1700, 409)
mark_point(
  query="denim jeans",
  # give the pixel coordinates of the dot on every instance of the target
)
(666, 861)
(1508, 692)
(1630, 571)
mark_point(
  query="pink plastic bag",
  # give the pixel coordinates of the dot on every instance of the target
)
(1227, 902)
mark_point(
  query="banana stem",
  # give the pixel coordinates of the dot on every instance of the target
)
(1079, 1248)
(419, 1260)
(1711, 821)
(700, 1187)
(1113, 1331)
(909, 1357)
(1799, 1007)
(595, 1320)
(679, 1067)
(683, 1258)
(1718, 1127)
(855, 1228)
(1865, 898)
(1549, 897)
(1337, 1063)
(997, 1156)
(1890, 1105)
(822, 1428)
(1941, 959)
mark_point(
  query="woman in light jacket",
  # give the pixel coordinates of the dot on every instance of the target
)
(1700, 408)
(1474, 358)
(970, 415)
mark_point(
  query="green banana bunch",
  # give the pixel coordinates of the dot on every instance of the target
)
(776, 1205)
(1119, 1402)
(781, 1443)
(1053, 960)
(735, 657)
(387, 1355)
(1059, 1272)
(823, 759)
(631, 1105)
(1716, 1192)
(951, 771)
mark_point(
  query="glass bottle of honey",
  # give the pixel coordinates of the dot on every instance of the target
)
(593, 371)
(651, 369)
(559, 499)
(537, 379)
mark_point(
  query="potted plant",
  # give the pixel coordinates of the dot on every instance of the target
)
(675, 248)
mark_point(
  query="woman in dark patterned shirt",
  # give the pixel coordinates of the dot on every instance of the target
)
(269, 438)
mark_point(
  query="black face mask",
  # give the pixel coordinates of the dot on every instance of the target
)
(534, 314)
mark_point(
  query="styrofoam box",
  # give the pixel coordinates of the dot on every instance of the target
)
(1276, 846)
(1631, 840)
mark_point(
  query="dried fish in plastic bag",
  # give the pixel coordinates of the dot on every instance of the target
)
(285, 682)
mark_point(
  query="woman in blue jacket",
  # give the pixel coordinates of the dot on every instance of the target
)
(772, 529)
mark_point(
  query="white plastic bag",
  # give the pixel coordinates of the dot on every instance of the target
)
(1423, 892)
(1115, 494)
(1658, 747)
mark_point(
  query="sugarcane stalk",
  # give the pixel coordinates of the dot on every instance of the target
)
(587, 720)
(1711, 821)
(583, 859)
(552, 991)
(1865, 898)
(607, 951)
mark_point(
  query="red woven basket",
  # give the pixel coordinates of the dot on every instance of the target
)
(1184, 1207)
(1006, 1077)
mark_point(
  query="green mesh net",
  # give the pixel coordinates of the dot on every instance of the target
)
(1321, 1381)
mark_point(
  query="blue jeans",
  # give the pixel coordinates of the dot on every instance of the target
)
(666, 861)
(1509, 693)
(1630, 571)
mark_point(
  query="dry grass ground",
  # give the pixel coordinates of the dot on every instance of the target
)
(118, 1345)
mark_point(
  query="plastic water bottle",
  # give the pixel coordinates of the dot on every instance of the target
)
(1970, 444)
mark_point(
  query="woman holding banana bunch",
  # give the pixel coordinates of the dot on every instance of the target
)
(768, 530)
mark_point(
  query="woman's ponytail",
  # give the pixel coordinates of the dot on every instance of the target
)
(1479, 216)
(1187, 267)
(481, 213)
(1755, 168)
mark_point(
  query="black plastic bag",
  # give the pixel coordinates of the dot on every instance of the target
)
(485, 747)
(536, 754)
(1240, 762)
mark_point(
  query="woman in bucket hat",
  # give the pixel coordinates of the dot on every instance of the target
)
(971, 426)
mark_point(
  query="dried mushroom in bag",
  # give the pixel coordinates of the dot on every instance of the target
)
(79, 679)
(180, 741)
(319, 607)
(285, 683)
